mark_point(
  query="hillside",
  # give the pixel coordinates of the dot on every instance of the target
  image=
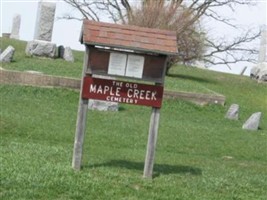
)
(200, 154)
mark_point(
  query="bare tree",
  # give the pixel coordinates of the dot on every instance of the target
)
(182, 16)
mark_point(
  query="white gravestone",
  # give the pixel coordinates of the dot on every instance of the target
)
(99, 105)
(7, 55)
(15, 27)
(67, 55)
(263, 47)
(260, 70)
(233, 112)
(41, 49)
(45, 21)
(253, 122)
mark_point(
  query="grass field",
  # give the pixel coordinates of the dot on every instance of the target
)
(200, 154)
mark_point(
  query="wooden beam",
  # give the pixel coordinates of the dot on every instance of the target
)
(81, 122)
(151, 143)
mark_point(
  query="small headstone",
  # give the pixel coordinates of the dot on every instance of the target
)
(7, 55)
(68, 54)
(45, 21)
(233, 112)
(253, 122)
(41, 49)
(6, 35)
(15, 27)
(60, 51)
(102, 105)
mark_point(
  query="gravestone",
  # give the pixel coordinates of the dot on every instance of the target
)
(15, 27)
(233, 112)
(45, 21)
(67, 54)
(99, 105)
(263, 47)
(41, 45)
(253, 122)
(41, 49)
(8, 54)
(6, 35)
(60, 51)
(259, 71)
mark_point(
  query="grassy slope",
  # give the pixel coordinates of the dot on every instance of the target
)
(200, 155)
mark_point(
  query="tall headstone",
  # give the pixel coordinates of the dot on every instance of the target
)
(15, 27)
(263, 46)
(259, 71)
(45, 21)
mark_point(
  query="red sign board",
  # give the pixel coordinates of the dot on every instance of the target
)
(122, 92)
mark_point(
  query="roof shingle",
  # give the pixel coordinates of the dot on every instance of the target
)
(129, 37)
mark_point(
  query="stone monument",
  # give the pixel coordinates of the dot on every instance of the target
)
(259, 71)
(41, 45)
(41, 49)
(45, 21)
(15, 27)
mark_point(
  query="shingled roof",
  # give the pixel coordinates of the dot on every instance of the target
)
(129, 37)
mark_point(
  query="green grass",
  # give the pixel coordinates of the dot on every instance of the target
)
(200, 154)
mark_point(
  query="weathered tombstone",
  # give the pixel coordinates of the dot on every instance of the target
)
(45, 21)
(102, 105)
(41, 49)
(132, 53)
(259, 71)
(263, 46)
(8, 54)
(68, 56)
(233, 112)
(253, 122)
(15, 27)
(6, 35)
(99, 105)
(41, 45)
(60, 51)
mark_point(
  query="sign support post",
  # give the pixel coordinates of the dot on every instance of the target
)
(81, 121)
(151, 143)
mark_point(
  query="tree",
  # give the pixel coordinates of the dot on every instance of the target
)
(182, 16)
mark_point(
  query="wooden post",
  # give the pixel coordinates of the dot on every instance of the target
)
(81, 121)
(151, 143)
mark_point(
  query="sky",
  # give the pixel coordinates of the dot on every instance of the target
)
(67, 32)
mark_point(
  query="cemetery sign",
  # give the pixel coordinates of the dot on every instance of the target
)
(122, 92)
(132, 53)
